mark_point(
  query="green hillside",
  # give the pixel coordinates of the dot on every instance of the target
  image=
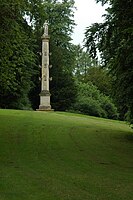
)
(63, 156)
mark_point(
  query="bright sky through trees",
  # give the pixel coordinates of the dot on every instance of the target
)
(87, 12)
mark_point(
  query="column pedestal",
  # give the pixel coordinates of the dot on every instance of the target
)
(45, 101)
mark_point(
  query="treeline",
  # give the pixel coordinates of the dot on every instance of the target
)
(114, 40)
(79, 83)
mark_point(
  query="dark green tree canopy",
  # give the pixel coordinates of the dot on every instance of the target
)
(114, 40)
(20, 41)
(16, 55)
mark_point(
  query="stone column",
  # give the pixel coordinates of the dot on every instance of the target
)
(45, 94)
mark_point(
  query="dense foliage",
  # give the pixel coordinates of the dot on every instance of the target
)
(83, 62)
(21, 30)
(92, 102)
(16, 56)
(87, 69)
(114, 39)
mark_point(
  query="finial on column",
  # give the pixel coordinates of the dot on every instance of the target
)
(45, 28)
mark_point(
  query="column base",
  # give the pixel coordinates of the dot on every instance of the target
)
(45, 101)
(44, 108)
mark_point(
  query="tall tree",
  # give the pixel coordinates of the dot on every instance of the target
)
(16, 55)
(61, 23)
(114, 39)
(83, 62)
(100, 78)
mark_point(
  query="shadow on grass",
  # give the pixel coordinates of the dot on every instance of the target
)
(129, 137)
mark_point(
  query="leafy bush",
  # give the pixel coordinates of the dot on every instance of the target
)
(89, 106)
(129, 118)
(109, 107)
(90, 101)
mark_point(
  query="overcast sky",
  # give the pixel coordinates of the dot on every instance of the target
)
(87, 12)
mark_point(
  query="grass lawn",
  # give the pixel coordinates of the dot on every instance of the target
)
(63, 156)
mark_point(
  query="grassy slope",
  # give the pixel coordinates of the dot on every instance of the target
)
(62, 156)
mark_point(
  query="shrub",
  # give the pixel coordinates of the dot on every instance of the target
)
(89, 106)
(92, 102)
(109, 107)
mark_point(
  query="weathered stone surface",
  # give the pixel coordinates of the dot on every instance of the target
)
(45, 94)
(45, 101)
